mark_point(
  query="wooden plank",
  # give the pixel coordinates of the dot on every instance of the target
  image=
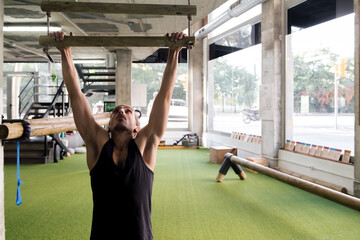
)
(111, 41)
(118, 8)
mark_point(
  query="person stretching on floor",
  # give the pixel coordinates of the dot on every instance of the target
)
(121, 160)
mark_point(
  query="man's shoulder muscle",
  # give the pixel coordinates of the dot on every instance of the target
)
(94, 147)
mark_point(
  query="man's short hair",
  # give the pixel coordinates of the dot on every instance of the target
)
(135, 111)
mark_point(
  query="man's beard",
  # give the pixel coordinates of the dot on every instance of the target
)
(121, 128)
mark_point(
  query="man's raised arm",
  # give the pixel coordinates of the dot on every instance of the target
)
(159, 114)
(84, 120)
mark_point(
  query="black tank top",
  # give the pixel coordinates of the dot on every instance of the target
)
(121, 196)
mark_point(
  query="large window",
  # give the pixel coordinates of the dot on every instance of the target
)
(148, 76)
(236, 80)
(320, 81)
(234, 73)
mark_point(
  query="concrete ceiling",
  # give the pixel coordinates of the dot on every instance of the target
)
(23, 46)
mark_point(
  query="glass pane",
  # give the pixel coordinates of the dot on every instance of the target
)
(236, 80)
(151, 75)
(321, 72)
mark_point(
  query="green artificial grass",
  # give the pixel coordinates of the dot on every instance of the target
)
(187, 204)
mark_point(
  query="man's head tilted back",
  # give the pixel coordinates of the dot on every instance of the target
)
(124, 118)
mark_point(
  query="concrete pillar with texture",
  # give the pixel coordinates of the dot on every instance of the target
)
(123, 77)
(357, 99)
(2, 208)
(273, 77)
(196, 76)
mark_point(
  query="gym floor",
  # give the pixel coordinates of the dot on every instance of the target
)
(187, 203)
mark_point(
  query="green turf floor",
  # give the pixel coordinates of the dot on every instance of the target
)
(187, 204)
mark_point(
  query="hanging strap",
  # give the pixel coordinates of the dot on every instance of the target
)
(47, 46)
(18, 194)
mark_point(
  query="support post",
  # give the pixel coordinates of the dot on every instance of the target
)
(123, 77)
(2, 208)
(357, 100)
(273, 77)
(195, 80)
(227, 163)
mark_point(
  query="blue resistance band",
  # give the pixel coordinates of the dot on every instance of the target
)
(18, 194)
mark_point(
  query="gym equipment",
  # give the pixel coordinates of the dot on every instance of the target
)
(319, 190)
(116, 8)
(45, 126)
(188, 140)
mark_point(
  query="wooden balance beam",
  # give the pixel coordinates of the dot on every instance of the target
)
(45, 126)
(118, 8)
(319, 190)
(111, 41)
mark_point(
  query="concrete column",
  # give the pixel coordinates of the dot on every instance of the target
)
(123, 77)
(196, 76)
(357, 99)
(273, 27)
(2, 209)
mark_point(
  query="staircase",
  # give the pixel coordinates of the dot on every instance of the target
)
(38, 101)
(37, 150)
(35, 102)
(96, 79)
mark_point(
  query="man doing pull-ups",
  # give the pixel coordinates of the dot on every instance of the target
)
(121, 163)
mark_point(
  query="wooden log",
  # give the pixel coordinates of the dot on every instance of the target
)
(223, 169)
(238, 170)
(118, 8)
(314, 180)
(11, 130)
(114, 41)
(40, 127)
(319, 190)
(41, 121)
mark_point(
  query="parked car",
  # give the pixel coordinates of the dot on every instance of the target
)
(178, 108)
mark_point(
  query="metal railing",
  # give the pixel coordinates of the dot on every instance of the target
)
(26, 96)
(31, 94)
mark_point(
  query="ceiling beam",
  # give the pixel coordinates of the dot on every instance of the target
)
(118, 8)
(111, 41)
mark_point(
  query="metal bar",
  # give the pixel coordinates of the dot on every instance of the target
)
(26, 85)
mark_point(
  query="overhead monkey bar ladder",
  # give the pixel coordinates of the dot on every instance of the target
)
(111, 41)
(117, 8)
